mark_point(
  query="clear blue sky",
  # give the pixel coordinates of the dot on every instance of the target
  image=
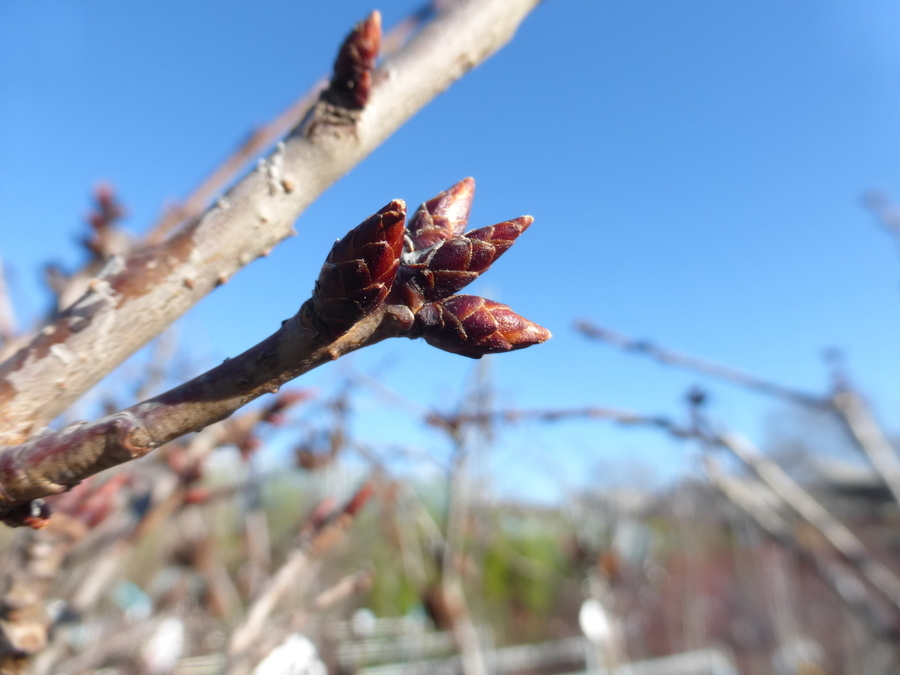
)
(694, 169)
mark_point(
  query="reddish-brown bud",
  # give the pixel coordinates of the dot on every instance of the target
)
(452, 264)
(351, 83)
(473, 326)
(444, 216)
(360, 269)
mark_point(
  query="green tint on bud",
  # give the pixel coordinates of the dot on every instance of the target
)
(473, 326)
(360, 269)
(444, 216)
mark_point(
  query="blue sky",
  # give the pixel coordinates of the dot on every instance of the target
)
(695, 171)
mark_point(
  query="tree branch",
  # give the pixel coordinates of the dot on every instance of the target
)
(672, 358)
(369, 289)
(134, 300)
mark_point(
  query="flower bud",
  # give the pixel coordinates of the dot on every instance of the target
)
(452, 264)
(360, 269)
(444, 216)
(473, 326)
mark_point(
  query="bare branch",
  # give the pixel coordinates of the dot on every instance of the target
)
(812, 511)
(688, 362)
(134, 299)
(320, 535)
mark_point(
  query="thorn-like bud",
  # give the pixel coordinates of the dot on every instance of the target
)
(444, 216)
(351, 83)
(473, 326)
(360, 269)
(452, 264)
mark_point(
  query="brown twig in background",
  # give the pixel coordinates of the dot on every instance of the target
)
(695, 364)
(845, 402)
(320, 535)
(31, 566)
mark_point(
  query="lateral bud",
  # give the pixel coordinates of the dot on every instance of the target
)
(351, 83)
(472, 326)
(360, 269)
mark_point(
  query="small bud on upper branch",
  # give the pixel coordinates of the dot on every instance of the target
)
(352, 80)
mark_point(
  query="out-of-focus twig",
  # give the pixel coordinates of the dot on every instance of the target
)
(321, 535)
(870, 437)
(843, 581)
(348, 586)
(837, 534)
(695, 364)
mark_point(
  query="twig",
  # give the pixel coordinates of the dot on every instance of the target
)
(322, 536)
(136, 299)
(812, 511)
(350, 585)
(688, 362)
(846, 403)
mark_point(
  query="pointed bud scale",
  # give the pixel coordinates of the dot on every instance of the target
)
(444, 216)
(473, 326)
(452, 264)
(351, 83)
(360, 269)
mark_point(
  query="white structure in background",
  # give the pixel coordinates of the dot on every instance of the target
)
(598, 626)
(594, 622)
(162, 651)
(295, 656)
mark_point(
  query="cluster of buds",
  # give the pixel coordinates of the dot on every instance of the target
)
(422, 266)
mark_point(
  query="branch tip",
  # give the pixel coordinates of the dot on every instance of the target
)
(472, 326)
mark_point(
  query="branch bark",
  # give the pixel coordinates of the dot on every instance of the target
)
(134, 299)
